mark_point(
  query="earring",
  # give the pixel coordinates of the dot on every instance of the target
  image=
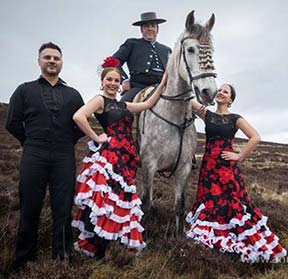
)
(229, 104)
(119, 90)
(101, 87)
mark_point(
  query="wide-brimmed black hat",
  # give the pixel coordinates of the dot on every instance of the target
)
(148, 17)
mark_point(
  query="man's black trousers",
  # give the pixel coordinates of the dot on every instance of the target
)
(42, 164)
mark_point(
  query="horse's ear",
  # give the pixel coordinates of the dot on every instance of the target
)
(210, 23)
(190, 20)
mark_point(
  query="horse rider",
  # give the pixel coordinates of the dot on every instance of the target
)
(145, 57)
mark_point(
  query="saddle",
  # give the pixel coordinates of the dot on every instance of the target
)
(145, 93)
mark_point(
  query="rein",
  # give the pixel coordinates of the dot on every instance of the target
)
(178, 97)
(181, 129)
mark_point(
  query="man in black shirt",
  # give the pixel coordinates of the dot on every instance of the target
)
(40, 117)
(146, 58)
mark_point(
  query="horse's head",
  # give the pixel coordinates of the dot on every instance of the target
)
(195, 63)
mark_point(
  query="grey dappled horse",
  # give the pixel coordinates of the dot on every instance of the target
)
(167, 135)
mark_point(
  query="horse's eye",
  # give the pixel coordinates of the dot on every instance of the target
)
(191, 50)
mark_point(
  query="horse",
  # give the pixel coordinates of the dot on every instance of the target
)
(167, 136)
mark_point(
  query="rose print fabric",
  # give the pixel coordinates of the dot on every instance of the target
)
(223, 216)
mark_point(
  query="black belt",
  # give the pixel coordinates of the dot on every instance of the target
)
(147, 78)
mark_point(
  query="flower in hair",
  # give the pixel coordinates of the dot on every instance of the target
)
(110, 61)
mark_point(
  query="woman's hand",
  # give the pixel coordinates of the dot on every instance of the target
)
(138, 107)
(228, 155)
(102, 138)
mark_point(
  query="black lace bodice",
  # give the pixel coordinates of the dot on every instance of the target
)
(113, 112)
(220, 126)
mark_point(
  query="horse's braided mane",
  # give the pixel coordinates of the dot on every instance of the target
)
(198, 32)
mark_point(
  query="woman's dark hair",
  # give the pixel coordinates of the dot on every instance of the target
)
(233, 91)
(49, 45)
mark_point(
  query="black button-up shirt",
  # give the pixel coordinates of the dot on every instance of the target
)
(39, 111)
(52, 95)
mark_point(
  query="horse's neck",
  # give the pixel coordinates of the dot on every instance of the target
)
(171, 108)
(176, 86)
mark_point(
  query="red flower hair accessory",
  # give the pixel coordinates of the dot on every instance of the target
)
(110, 61)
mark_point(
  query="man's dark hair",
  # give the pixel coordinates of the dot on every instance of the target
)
(49, 45)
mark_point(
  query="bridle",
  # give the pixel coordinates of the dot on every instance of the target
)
(191, 88)
(182, 98)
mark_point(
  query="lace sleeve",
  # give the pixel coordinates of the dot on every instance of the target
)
(235, 117)
(207, 115)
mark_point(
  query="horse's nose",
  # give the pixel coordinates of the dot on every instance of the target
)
(206, 92)
(207, 96)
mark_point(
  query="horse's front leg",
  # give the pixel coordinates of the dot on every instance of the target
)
(148, 172)
(181, 181)
(179, 211)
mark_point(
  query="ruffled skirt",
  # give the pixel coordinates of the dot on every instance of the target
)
(108, 207)
(243, 235)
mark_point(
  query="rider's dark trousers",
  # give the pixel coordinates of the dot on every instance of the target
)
(130, 94)
(42, 164)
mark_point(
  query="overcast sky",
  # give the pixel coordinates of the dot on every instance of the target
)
(250, 40)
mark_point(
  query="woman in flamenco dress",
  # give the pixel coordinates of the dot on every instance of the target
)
(223, 216)
(106, 197)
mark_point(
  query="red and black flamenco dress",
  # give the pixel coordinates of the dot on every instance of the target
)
(223, 216)
(108, 205)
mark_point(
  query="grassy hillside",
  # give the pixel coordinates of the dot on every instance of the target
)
(165, 256)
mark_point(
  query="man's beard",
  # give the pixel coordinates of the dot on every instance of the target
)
(53, 73)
